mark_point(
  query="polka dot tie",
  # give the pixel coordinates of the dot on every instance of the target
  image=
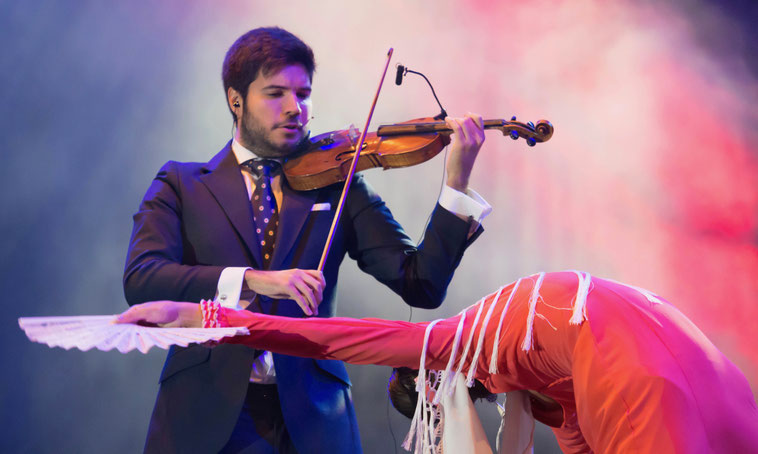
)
(265, 213)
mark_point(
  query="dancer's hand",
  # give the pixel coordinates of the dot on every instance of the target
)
(165, 314)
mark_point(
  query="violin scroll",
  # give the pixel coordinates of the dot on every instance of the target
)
(542, 132)
(533, 134)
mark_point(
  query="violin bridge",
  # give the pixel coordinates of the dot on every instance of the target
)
(354, 134)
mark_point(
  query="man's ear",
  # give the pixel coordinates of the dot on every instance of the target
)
(235, 101)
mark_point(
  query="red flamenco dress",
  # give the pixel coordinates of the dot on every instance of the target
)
(630, 372)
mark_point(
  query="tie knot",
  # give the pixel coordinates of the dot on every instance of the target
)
(262, 167)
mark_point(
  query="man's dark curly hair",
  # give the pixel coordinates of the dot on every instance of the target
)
(264, 50)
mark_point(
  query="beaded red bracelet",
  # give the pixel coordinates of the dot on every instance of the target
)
(210, 313)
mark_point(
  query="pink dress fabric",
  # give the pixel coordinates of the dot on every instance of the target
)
(635, 376)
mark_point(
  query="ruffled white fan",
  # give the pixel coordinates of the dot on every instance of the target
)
(99, 331)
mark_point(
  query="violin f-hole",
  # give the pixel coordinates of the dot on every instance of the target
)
(348, 153)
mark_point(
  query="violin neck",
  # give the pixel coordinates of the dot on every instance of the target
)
(428, 127)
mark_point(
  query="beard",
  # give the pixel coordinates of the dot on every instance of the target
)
(257, 138)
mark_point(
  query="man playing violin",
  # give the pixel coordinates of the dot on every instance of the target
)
(232, 229)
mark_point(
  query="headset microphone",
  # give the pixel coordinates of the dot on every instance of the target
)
(402, 71)
(399, 75)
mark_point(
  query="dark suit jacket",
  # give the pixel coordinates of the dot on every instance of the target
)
(195, 220)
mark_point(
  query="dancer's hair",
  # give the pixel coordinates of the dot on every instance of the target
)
(404, 397)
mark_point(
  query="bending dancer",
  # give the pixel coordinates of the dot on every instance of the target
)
(623, 370)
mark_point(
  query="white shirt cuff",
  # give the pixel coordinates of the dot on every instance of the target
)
(230, 286)
(469, 204)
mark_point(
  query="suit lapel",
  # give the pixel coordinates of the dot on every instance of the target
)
(296, 206)
(224, 180)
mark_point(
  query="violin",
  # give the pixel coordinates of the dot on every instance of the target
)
(329, 157)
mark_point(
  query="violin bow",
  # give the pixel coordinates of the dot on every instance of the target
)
(357, 154)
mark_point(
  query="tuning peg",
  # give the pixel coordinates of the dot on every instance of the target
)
(513, 118)
(514, 134)
(530, 124)
(531, 141)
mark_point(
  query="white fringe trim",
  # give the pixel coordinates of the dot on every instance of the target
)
(480, 341)
(421, 427)
(580, 303)
(470, 338)
(447, 379)
(527, 344)
(493, 358)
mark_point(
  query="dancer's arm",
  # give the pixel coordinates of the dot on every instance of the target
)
(357, 341)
